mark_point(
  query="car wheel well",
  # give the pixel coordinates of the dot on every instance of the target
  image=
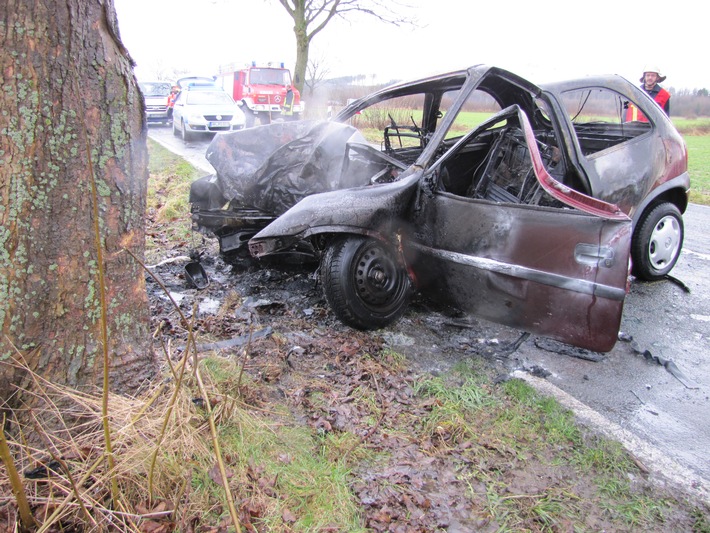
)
(675, 196)
(321, 241)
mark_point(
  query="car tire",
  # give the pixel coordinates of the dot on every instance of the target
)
(657, 241)
(364, 284)
(176, 132)
(186, 135)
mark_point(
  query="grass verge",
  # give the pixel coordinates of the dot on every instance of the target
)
(167, 206)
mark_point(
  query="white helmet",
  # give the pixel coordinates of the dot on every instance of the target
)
(656, 70)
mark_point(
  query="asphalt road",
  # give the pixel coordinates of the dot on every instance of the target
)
(652, 391)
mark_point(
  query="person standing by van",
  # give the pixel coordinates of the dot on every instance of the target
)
(171, 100)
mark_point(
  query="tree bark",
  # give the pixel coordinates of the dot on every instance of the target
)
(300, 29)
(71, 114)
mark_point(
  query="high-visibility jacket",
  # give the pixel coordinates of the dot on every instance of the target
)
(659, 95)
(288, 103)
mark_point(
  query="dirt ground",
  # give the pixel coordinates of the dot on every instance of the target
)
(300, 354)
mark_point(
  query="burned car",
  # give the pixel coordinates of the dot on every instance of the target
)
(531, 219)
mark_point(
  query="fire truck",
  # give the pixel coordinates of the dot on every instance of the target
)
(265, 93)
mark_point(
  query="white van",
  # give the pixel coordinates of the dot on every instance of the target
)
(155, 95)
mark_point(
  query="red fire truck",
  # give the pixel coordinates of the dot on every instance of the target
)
(264, 92)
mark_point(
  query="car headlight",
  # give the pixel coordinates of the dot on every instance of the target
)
(195, 117)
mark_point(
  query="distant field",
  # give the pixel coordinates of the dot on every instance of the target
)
(692, 126)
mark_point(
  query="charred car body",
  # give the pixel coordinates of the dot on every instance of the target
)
(529, 220)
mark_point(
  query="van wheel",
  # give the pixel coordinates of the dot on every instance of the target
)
(657, 242)
(364, 283)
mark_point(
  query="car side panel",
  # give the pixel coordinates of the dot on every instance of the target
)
(625, 172)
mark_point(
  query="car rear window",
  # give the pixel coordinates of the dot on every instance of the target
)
(598, 115)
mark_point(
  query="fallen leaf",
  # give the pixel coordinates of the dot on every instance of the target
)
(216, 475)
(288, 516)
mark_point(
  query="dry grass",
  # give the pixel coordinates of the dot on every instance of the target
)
(70, 479)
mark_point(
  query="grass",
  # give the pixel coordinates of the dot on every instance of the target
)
(525, 426)
(692, 126)
(167, 200)
(290, 476)
(699, 168)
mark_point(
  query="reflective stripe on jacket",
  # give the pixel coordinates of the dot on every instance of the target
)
(659, 95)
(288, 103)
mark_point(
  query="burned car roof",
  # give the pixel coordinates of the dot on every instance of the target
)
(452, 210)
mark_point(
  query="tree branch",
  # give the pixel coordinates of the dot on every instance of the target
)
(291, 11)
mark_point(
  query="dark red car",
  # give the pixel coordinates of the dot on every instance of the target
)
(532, 219)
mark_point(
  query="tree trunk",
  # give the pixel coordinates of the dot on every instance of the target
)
(71, 115)
(302, 43)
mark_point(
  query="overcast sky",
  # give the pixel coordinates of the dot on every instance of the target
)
(541, 41)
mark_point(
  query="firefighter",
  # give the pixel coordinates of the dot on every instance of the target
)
(287, 108)
(650, 83)
(650, 79)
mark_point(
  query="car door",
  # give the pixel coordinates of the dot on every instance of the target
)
(556, 271)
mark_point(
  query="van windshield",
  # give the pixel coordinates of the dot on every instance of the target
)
(269, 76)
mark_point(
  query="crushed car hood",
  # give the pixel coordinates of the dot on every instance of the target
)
(273, 167)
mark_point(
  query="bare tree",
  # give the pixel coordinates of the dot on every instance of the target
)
(317, 70)
(73, 178)
(311, 16)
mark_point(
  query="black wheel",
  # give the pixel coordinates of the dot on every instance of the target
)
(176, 132)
(657, 241)
(364, 283)
(186, 135)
